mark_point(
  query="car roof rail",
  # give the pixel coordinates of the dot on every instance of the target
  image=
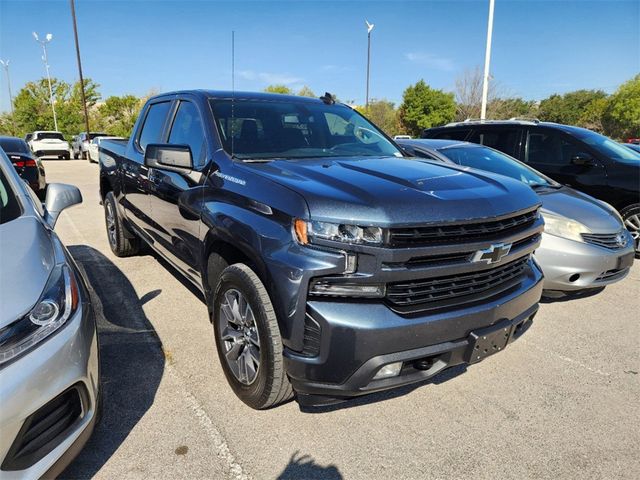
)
(525, 119)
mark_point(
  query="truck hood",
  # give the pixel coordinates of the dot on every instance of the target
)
(581, 207)
(26, 260)
(395, 191)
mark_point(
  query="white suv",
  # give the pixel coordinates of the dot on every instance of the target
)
(48, 143)
(81, 142)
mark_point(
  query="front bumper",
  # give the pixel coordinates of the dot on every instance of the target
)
(67, 361)
(569, 265)
(357, 338)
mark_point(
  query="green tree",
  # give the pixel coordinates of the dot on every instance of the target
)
(622, 114)
(279, 89)
(570, 107)
(383, 114)
(503, 108)
(424, 107)
(117, 115)
(306, 92)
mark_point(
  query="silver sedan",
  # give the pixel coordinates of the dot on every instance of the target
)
(49, 372)
(584, 245)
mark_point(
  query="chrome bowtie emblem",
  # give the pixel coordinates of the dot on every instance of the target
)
(493, 254)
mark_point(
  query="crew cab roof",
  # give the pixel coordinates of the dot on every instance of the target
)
(228, 95)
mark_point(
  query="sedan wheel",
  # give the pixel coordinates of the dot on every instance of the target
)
(631, 217)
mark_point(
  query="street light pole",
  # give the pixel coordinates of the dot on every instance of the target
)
(44, 42)
(369, 28)
(487, 61)
(5, 64)
(84, 101)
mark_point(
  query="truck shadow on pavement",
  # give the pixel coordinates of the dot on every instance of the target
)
(304, 466)
(131, 358)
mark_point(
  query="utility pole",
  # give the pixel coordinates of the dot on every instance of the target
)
(487, 61)
(84, 101)
(44, 42)
(5, 64)
(369, 28)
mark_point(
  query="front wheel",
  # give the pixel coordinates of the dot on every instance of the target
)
(631, 217)
(120, 245)
(248, 339)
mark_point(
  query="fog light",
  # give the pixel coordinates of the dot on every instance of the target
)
(391, 370)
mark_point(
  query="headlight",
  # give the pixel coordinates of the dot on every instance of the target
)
(562, 226)
(307, 232)
(57, 303)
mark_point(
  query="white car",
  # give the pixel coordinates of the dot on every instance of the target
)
(80, 144)
(94, 146)
(48, 144)
(402, 137)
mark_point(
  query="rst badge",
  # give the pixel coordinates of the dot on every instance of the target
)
(493, 254)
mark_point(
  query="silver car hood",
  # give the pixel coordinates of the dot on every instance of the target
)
(26, 260)
(582, 208)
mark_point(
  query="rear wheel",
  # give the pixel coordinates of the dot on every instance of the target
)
(120, 245)
(631, 217)
(248, 339)
(75, 155)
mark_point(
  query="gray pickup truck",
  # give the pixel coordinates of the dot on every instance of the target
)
(332, 266)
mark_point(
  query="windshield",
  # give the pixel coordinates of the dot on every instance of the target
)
(9, 207)
(263, 130)
(49, 135)
(14, 145)
(607, 147)
(487, 159)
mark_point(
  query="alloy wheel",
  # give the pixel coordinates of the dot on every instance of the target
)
(632, 222)
(239, 336)
(111, 224)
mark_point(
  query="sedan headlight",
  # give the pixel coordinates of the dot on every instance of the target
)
(563, 227)
(307, 232)
(58, 302)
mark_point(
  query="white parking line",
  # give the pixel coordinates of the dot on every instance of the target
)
(563, 358)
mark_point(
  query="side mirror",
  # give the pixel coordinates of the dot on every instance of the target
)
(168, 157)
(59, 196)
(583, 159)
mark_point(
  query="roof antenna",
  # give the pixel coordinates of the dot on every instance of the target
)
(328, 98)
(233, 90)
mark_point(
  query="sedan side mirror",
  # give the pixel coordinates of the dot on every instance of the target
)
(168, 157)
(59, 196)
(583, 159)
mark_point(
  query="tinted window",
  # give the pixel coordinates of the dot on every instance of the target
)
(153, 123)
(458, 134)
(50, 136)
(551, 148)
(13, 145)
(608, 147)
(422, 154)
(483, 158)
(9, 207)
(187, 130)
(504, 140)
(296, 129)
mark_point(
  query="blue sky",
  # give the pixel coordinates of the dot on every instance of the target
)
(539, 47)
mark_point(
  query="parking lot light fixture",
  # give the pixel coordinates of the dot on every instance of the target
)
(48, 37)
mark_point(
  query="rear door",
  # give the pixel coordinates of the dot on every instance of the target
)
(507, 139)
(175, 196)
(552, 151)
(135, 175)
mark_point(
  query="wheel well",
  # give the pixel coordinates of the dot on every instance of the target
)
(230, 254)
(105, 187)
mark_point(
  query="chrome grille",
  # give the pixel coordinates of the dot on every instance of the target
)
(606, 240)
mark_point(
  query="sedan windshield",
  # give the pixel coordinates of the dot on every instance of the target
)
(483, 158)
(14, 145)
(264, 130)
(607, 147)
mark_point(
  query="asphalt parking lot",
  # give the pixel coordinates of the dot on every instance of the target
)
(561, 402)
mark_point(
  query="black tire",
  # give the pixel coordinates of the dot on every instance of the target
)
(67, 157)
(270, 385)
(120, 245)
(75, 155)
(631, 217)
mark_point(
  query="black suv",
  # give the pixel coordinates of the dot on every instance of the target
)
(577, 157)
